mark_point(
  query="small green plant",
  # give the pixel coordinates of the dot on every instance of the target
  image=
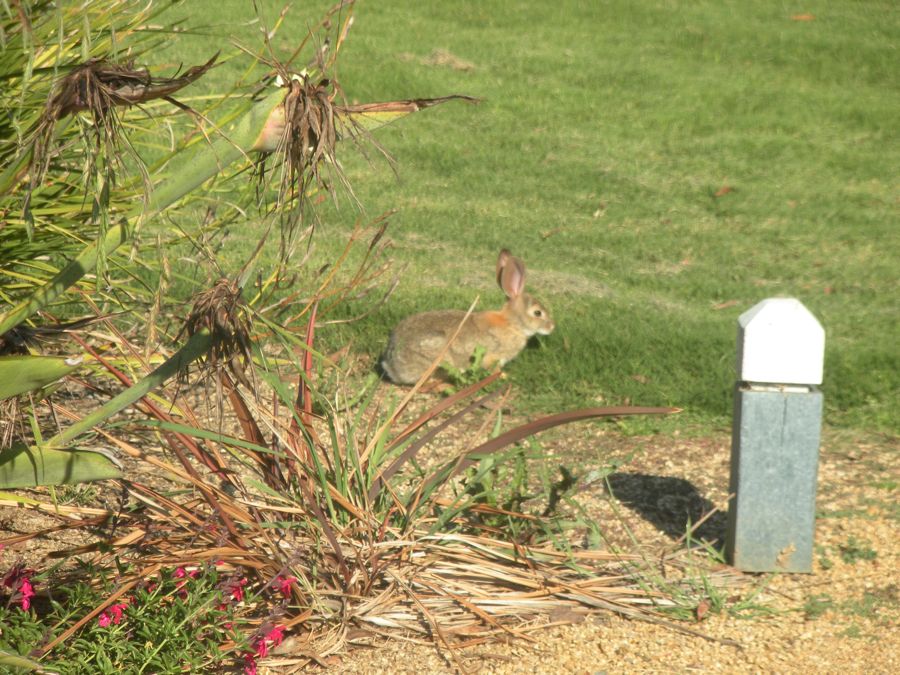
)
(816, 605)
(747, 605)
(872, 603)
(182, 619)
(852, 631)
(80, 494)
(888, 485)
(461, 378)
(854, 551)
(824, 561)
(503, 486)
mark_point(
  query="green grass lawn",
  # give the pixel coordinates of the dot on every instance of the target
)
(660, 166)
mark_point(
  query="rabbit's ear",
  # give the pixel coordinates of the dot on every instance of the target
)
(502, 262)
(512, 277)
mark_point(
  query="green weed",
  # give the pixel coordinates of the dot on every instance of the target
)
(844, 513)
(461, 378)
(854, 551)
(852, 631)
(873, 602)
(816, 605)
(82, 494)
(824, 561)
(887, 485)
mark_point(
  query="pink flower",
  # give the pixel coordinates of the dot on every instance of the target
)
(283, 584)
(17, 579)
(181, 573)
(236, 589)
(116, 611)
(111, 615)
(249, 664)
(274, 636)
(27, 591)
(185, 574)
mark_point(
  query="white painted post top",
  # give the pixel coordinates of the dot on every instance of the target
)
(780, 342)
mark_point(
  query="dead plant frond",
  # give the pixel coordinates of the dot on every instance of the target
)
(99, 87)
(220, 311)
(302, 134)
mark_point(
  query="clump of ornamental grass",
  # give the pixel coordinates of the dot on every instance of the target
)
(339, 520)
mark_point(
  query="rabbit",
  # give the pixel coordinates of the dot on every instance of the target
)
(418, 340)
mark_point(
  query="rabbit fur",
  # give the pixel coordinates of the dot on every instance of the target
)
(418, 340)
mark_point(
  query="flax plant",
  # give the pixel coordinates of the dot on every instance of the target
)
(40, 174)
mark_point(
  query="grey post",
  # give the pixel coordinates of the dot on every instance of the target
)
(775, 438)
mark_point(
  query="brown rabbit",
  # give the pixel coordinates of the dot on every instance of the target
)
(418, 340)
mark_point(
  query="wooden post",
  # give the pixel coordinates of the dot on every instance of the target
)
(775, 438)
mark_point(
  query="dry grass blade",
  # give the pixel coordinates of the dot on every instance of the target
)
(400, 108)
(443, 405)
(363, 280)
(71, 525)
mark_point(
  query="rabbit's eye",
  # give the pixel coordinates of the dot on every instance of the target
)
(538, 313)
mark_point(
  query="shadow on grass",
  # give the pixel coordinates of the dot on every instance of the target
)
(669, 504)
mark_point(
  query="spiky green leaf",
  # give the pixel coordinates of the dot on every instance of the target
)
(23, 373)
(23, 466)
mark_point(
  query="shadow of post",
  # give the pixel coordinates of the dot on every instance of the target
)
(669, 504)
